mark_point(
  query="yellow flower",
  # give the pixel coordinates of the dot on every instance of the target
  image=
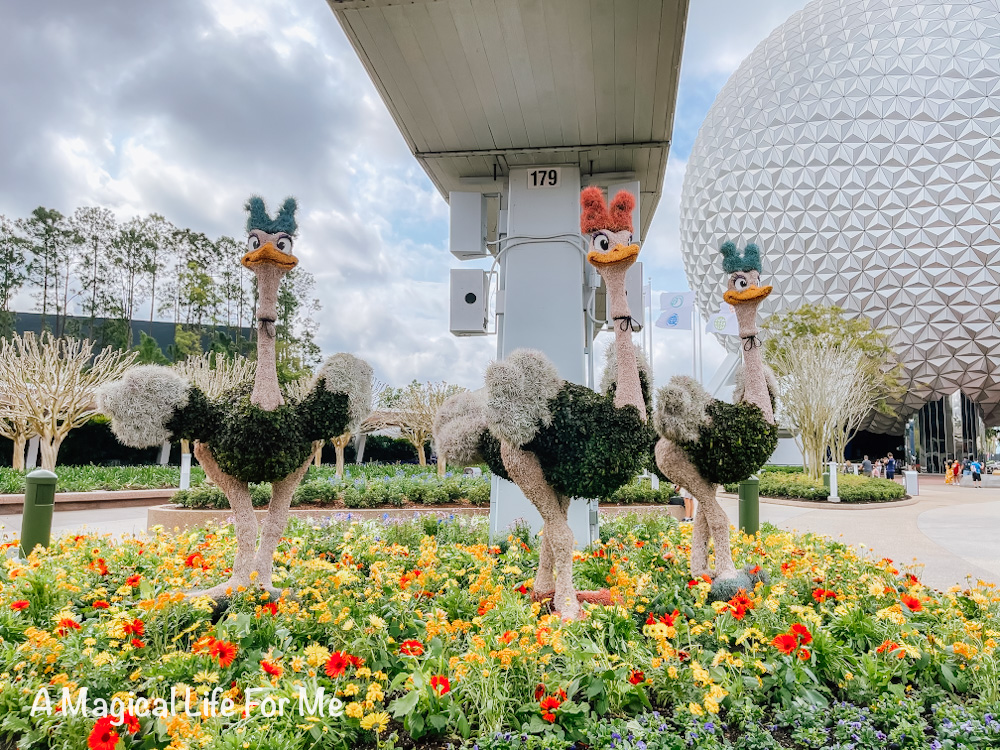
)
(351, 689)
(354, 710)
(672, 672)
(316, 655)
(376, 722)
(374, 694)
(695, 709)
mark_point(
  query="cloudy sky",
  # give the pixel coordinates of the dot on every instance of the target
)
(186, 107)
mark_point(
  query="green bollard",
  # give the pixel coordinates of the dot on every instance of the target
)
(826, 481)
(39, 502)
(750, 505)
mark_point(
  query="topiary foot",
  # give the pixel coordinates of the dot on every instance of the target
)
(725, 589)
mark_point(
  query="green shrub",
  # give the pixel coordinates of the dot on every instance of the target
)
(852, 489)
(640, 493)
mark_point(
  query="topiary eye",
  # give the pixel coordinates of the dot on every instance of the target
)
(253, 242)
(601, 242)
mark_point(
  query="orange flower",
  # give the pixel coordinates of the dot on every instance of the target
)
(411, 648)
(136, 643)
(103, 736)
(668, 620)
(99, 567)
(133, 580)
(740, 604)
(507, 637)
(786, 643)
(802, 634)
(194, 560)
(911, 602)
(804, 654)
(137, 627)
(100, 604)
(224, 651)
(271, 668)
(888, 647)
(67, 624)
(203, 645)
(20, 604)
(440, 684)
(636, 677)
(271, 608)
(821, 594)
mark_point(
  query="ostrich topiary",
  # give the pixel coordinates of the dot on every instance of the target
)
(557, 440)
(245, 434)
(706, 442)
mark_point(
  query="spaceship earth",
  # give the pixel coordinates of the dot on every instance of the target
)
(859, 147)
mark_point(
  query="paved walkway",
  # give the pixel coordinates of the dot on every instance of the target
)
(952, 532)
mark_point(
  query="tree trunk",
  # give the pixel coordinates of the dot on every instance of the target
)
(49, 448)
(20, 443)
(339, 444)
(442, 467)
(421, 458)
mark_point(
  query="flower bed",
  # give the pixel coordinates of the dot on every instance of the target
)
(396, 490)
(851, 489)
(425, 633)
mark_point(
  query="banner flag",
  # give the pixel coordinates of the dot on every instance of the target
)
(676, 301)
(680, 321)
(724, 323)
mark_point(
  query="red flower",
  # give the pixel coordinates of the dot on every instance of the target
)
(912, 579)
(271, 668)
(821, 594)
(100, 604)
(692, 583)
(103, 736)
(754, 570)
(194, 560)
(66, 624)
(440, 684)
(539, 691)
(740, 604)
(411, 648)
(786, 643)
(20, 604)
(355, 661)
(668, 620)
(636, 677)
(137, 627)
(203, 645)
(337, 664)
(549, 704)
(271, 608)
(224, 651)
(133, 580)
(804, 654)
(131, 722)
(911, 602)
(136, 643)
(650, 620)
(801, 633)
(522, 589)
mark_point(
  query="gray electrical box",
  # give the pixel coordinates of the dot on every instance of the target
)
(467, 225)
(469, 302)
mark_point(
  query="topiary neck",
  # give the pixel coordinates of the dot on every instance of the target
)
(628, 388)
(266, 390)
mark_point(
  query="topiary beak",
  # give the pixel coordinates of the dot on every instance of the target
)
(617, 254)
(268, 254)
(752, 293)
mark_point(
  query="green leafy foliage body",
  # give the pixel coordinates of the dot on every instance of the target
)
(256, 445)
(734, 444)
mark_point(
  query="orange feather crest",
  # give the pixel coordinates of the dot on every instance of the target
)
(595, 215)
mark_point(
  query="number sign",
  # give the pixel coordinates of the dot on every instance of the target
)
(543, 178)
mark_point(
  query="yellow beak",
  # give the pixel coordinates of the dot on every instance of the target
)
(750, 294)
(269, 254)
(615, 255)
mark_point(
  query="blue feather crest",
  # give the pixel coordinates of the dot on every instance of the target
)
(258, 217)
(732, 261)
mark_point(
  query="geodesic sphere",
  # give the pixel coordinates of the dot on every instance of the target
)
(859, 146)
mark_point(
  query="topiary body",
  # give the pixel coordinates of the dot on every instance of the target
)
(733, 444)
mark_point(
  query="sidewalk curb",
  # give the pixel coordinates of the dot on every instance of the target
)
(826, 505)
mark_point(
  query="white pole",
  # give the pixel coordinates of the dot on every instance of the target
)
(834, 497)
(694, 347)
(32, 459)
(185, 471)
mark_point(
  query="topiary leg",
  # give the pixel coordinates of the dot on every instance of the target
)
(545, 579)
(274, 526)
(699, 546)
(718, 525)
(524, 469)
(238, 495)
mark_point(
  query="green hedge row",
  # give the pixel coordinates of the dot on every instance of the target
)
(850, 488)
(374, 491)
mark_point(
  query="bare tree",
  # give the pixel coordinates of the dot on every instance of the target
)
(52, 383)
(14, 426)
(215, 374)
(412, 410)
(827, 389)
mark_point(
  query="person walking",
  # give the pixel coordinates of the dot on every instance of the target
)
(866, 467)
(890, 468)
(977, 473)
(956, 471)
(688, 505)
